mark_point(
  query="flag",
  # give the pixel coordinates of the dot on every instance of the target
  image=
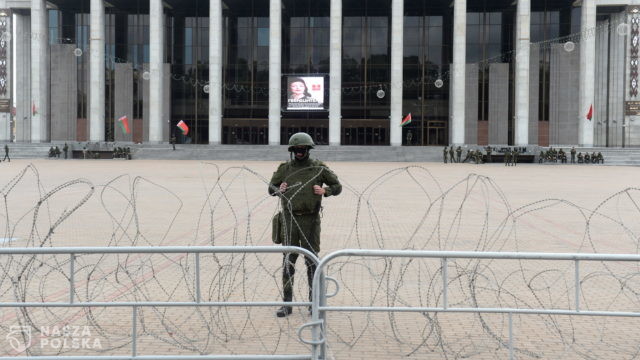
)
(406, 120)
(124, 124)
(34, 112)
(590, 113)
(183, 127)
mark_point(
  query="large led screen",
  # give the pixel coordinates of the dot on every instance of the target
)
(305, 92)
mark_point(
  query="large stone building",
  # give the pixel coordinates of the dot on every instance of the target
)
(498, 72)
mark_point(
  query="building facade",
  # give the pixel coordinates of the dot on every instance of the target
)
(476, 72)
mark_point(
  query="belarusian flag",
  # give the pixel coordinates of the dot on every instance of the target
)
(124, 124)
(590, 113)
(34, 112)
(406, 120)
(183, 127)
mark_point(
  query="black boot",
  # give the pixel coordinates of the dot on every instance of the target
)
(284, 311)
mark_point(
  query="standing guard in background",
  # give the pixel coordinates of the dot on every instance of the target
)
(6, 153)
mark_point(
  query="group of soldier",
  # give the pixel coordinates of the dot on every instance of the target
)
(454, 155)
(553, 155)
(54, 151)
(122, 153)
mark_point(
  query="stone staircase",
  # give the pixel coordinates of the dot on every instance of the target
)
(616, 156)
(613, 156)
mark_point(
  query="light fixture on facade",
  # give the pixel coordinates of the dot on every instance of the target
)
(623, 29)
(77, 52)
(206, 89)
(146, 75)
(569, 46)
(380, 93)
(438, 83)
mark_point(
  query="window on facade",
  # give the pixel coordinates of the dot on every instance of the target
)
(484, 45)
(425, 61)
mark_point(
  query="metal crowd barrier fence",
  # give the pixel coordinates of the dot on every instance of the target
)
(319, 304)
(72, 252)
(320, 308)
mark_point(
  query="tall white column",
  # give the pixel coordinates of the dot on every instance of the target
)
(397, 52)
(587, 72)
(156, 70)
(458, 71)
(335, 72)
(215, 71)
(522, 73)
(275, 70)
(97, 72)
(39, 72)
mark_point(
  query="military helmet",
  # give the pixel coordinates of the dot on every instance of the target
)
(301, 139)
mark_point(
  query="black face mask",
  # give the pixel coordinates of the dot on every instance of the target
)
(300, 153)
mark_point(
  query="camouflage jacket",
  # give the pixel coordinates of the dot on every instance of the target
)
(300, 177)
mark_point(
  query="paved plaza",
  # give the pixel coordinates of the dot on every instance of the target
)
(422, 206)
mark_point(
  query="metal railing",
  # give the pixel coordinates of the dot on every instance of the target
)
(72, 252)
(319, 303)
(320, 308)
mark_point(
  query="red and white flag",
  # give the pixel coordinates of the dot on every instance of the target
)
(183, 127)
(124, 124)
(406, 120)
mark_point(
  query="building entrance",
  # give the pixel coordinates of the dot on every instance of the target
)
(435, 133)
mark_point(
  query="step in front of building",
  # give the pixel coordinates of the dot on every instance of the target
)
(612, 156)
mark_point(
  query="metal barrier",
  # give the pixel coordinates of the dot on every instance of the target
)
(197, 250)
(319, 303)
(320, 308)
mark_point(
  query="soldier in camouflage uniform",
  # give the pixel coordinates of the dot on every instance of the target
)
(299, 184)
(459, 153)
(444, 154)
(452, 158)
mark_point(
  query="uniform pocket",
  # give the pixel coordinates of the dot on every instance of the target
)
(276, 228)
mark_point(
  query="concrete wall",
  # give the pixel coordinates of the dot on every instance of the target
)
(166, 103)
(563, 95)
(471, 105)
(498, 103)
(534, 93)
(23, 77)
(123, 100)
(64, 92)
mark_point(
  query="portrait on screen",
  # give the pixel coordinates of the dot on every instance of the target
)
(305, 93)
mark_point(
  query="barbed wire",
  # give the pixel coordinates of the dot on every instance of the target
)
(472, 214)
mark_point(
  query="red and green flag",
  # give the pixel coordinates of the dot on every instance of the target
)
(406, 120)
(183, 127)
(34, 111)
(590, 113)
(124, 124)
